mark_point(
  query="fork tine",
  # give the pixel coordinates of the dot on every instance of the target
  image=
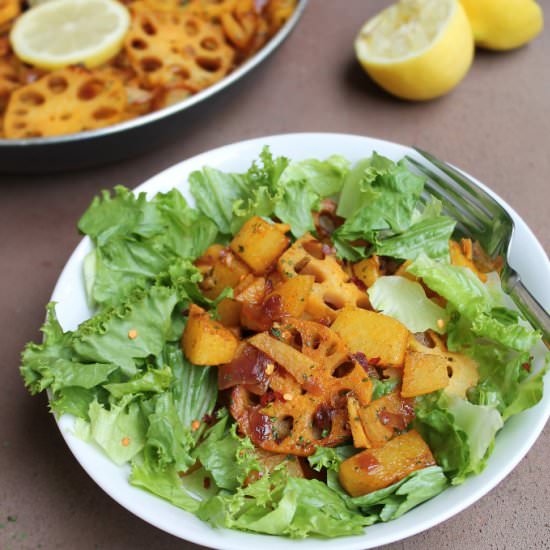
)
(482, 198)
(436, 184)
(468, 224)
(460, 228)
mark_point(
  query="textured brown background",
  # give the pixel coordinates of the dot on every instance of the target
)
(496, 125)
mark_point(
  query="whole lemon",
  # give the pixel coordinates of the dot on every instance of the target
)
(504, 24)
(417, 49)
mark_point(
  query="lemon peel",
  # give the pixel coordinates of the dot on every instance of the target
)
(417, 49)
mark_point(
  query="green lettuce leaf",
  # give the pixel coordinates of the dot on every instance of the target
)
(152, 380)
(357, 187)
(75, 400)
(407, 302)
(330, 458)
(55, 365)
(383, 387)
(281, 505)
(120, 430)
(477, 302)
(325, 177)
(393, 501)
(165, 483)
(230, 199)
(39, 361)
(273, 186)
(528, 393)
(136, 239)
(295, 206)
(192, 394)
(505, 379)
(459, 433)
(429, 236)
(104, 338)
(378, 195)
(226, 456)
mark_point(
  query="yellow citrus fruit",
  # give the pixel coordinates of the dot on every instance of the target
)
(417, 49)
(504, 24)
(59, 33)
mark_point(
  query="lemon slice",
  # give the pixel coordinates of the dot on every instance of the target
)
(59, 33)
(504, 24)
(417, 49)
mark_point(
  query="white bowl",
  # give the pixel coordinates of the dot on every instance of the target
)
(513, 442)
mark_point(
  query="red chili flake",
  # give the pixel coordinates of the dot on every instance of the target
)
(374, 360)
(206, 483)
(526, 366)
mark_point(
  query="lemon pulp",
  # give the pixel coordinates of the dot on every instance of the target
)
(417, 49)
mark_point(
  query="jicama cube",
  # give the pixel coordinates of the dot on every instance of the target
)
(206, 341)
(375, 469)
(374, 334)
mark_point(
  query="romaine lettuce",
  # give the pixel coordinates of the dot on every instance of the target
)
(459, 433)
(280, 505)
(378, 195)
(226, 456)
(275, 186)
(136, 239)
(476, 302)
(407, 302)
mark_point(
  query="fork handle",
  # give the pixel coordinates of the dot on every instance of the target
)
(529, 306)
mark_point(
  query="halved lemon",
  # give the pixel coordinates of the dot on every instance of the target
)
(504, 24)
(59, 33)
(417, 49)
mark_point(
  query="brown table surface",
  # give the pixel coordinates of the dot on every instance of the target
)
(496, 125)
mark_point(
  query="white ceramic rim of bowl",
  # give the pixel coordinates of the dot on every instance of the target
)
(513, 442)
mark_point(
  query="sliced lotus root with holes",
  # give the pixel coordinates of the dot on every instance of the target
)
(279, 12)
(165, 97)
(62, 102)
(240, 26)
(309, 385)
(176, 49)
(296, 426)
(239, 18)
(261, 36)
(332, 289)
(8, 10)
(317, 358)
(212, 9)
(462, 370)
(163, 5)
(8, 80)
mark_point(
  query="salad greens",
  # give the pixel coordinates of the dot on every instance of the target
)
(407, 302)
(122, 373)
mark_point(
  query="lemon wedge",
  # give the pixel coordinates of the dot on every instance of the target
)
(417, 49)
(504, 24)
(59, 33)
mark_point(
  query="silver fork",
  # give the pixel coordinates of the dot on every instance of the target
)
(481, 217)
